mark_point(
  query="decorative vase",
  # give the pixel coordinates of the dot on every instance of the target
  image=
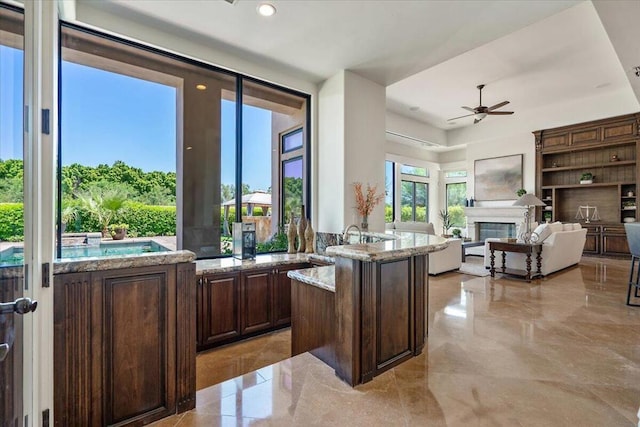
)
(309, 234)
(302, 225)
(291, 236)
(364, 225)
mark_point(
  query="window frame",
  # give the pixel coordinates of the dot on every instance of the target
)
(240, 79)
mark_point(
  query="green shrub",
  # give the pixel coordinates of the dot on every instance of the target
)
(146, 220)
(388, 214)
(11, 222)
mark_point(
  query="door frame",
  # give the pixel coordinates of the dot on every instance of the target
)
(41, 52)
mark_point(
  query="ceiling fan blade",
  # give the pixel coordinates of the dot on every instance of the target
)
(470, 109)
(456, 118)
(502, 104)
(500, 113)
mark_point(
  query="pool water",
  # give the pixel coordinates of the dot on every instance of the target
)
(15, 256)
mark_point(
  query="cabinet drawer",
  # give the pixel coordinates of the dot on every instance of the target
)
(613, 229)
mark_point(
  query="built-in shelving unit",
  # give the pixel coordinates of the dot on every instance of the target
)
(608, 150)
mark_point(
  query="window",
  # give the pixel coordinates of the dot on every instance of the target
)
(414, 196)
(273, 154)
(176, 148)
(11, 142)
(292, 177)
(455, 174)
(412, 170)
(389, 187)
(456, 198)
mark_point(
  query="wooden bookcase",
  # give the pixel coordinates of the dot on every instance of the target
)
(608, 149)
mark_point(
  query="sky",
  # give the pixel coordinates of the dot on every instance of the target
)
(108, 117)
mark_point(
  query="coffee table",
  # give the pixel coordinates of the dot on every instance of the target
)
(470, 244)
(523, 248)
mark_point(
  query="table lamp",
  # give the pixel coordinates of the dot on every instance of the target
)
(528, 200)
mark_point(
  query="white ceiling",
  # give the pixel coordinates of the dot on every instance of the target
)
(430, 54)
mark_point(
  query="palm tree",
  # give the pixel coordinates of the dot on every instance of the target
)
(103, 205)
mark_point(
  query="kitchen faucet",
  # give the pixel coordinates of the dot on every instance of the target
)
(345, 233)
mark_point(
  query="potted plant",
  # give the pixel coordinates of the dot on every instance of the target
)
(446, 222)
(457, 233)
(118, 231)
(547, 216)
(521, 192)
(586, 178)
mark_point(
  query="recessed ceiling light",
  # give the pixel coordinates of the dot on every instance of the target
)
(189, 148)
(266, 9)
(601, 85)
(201, 87)
(414, 108)
(452, 123)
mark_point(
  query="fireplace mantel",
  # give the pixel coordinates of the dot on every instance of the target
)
(505, 214)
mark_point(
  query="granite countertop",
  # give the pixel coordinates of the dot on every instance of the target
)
(224, 265)
(321, 277)
(75, 265)
(404, 244)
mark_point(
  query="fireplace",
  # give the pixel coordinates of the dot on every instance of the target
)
(485, 230)
(505, 216)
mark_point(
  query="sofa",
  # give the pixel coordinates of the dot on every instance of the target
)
(562, 246)
(439, 262)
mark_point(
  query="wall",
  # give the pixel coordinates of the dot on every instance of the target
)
(330, 155)
(350, 148)
(364, 144)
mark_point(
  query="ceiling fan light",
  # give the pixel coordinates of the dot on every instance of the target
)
(480, 116)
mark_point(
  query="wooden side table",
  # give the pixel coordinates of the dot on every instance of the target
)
(522, 248)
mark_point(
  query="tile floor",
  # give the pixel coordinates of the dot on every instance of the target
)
(562, 351)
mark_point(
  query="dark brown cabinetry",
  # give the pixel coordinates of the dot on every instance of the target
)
(235, 305)
(219, 308)
(256, 305)
(608, 150)
(124, 345)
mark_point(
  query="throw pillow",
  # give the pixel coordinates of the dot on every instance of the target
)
(567, 227)
(543, 231)
(577, 226)
(555, 227)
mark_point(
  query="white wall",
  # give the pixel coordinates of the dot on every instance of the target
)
(414, 128)
(365, 112)
(350, 149)
(330, 155)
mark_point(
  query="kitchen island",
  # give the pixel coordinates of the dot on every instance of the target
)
(369, 312)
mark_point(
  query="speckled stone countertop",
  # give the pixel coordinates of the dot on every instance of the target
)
(225, 265)
(405, 244)
(321, 277)
(68, 265)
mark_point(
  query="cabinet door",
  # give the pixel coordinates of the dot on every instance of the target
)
(592, 244)
(256, 294)
(282, 294)
(141, 365)
(219, 315)
(614, 241)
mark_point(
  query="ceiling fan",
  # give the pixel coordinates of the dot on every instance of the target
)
(480, 112)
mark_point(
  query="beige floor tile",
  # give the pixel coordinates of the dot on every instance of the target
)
(559, 351)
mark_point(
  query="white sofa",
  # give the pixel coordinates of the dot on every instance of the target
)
(561, 249)
(441, 261)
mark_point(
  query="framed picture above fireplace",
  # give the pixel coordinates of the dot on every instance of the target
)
(498, 178)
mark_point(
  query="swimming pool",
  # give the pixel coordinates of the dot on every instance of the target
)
(15, 255)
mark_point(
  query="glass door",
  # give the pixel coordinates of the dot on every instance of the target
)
(13, 303)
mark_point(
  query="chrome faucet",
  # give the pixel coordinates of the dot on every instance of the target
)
(345, 233)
